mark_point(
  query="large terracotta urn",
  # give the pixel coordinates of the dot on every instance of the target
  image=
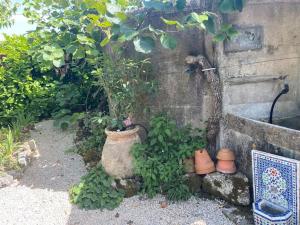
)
(226, 162)
(116, 157)
(203, 162)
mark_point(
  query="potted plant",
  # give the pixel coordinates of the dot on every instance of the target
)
(124, 82)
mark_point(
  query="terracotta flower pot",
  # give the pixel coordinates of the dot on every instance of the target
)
(226, 162)
(203, 162)
(116, 157)
(225, 154)
(189, 165)
(226, 166)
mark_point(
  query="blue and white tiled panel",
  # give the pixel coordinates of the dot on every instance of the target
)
(277, 179)
(261, 220)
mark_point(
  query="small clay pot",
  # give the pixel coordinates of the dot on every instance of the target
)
(225, 154)
(226, 166)
(203, 162)
(226, 162)
(189, 165)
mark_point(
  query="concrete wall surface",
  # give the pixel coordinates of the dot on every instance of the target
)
(252, 67)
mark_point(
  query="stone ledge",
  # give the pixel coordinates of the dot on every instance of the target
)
(232, 188)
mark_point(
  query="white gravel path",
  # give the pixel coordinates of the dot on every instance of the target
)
(41, 197)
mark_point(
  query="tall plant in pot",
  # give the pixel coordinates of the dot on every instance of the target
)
(126, 84)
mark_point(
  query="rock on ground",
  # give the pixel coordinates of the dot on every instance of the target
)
(232, 188)
(41, 197)
(6, 180)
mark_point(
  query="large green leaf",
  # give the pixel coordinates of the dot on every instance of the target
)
(210, 25)
(47, 57)
(199, 18)
(58, 53)
(226, 6)
(144, 44)
(104, 42)
(172, 22)
(58, 62)
(70, 49)
(180, 4)
(168, 41)
(239, 5)
(128, 33)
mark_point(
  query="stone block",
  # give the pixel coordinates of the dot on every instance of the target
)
(232, 188)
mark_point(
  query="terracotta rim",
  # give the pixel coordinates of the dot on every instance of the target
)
(121, 134)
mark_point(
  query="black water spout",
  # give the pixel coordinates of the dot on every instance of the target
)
(285, 90)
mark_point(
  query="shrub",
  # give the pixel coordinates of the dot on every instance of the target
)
(19, 89)
(159, 160)
(95, 191)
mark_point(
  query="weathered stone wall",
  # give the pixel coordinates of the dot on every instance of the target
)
(244, 134)
(187, 98)
(253, 70)
(251, 67)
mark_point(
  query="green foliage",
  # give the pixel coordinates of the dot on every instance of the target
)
(66, 36)
(70, 26)
(7, 10)
(7, 148)
(90, 136)
(10, 138)
(95, 191)
(159, 160)
(21, 87)
(125, 83)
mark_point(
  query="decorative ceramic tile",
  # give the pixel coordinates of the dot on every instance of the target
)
(277, 179)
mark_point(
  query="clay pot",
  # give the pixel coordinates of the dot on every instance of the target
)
(203, 162)
(225, 154)
(226, 162)
(189, 165)
(116, 157)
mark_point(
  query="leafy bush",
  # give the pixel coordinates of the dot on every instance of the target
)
(159, 160)
(95, 191)
(20, 90)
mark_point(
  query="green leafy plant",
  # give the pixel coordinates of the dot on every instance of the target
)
(7, 9)
(125, 82)
(8, 145)
(96, 191)
(90, 136)
(70, 26)
(159, 160)
(21, 89)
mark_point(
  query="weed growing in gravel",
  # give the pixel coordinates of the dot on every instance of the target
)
(96, 191)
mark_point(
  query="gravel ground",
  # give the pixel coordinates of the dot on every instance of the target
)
(41, 197)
